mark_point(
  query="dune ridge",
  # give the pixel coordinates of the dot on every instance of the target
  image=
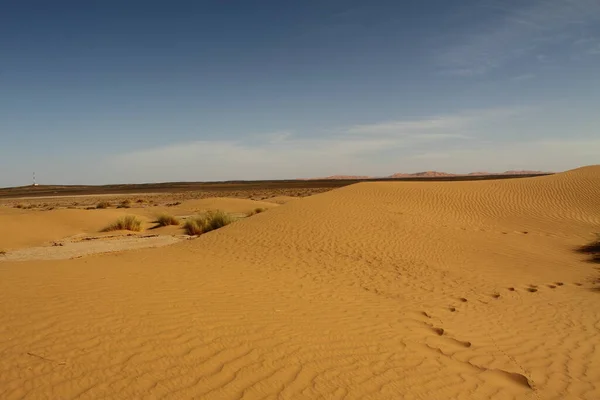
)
(378, 290)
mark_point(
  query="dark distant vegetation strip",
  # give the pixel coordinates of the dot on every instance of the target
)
(57, 190)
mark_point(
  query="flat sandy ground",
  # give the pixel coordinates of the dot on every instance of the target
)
(384, 290)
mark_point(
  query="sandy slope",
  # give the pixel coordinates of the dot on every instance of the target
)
(28, 228)
(227, 204)
(281, 199)
(379, 290)
(25, 228)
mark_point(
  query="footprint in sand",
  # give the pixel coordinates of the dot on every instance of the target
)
(439, 331)
(448, 340)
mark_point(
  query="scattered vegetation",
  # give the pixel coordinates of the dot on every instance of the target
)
(173, 204)
(103, 204)
(166, 220)
(140, 201)
(129, 223)
(593, 249)
(24, 206)
(257, 210)
(125, 204)
(207, 222)
(2, 252)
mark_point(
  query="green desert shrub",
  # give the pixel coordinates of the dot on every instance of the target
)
(166, 220)
(207, 222)
(129, 223)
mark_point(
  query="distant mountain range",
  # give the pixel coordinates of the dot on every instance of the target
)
(430, 174)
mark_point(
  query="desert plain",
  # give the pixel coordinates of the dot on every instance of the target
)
(373, 290)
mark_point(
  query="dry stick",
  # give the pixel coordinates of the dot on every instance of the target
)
(45, 359)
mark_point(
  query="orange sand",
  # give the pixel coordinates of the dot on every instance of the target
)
(404, 290)
(27, 228)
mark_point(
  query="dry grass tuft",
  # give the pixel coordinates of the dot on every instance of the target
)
(103, 204)
(24, 206)
(125, 204)
(207, 222)
(166, 220)
(257, 210)
(129, 223)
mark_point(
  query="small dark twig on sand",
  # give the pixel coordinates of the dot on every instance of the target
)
(45, 359)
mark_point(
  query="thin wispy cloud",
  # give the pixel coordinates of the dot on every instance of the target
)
(450, 124)
(595, 50)
(405, 128)
(519, 29)
(288, 155)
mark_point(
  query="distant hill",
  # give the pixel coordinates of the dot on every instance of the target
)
(429, 174)
(334, 177)
(424, 174)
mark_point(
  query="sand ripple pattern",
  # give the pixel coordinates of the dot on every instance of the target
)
(447, 290)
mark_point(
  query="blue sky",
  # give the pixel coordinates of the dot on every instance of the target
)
(145, 91)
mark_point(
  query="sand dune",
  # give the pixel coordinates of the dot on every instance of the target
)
(413, 290)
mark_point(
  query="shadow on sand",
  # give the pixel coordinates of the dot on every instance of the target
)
(593, 249)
